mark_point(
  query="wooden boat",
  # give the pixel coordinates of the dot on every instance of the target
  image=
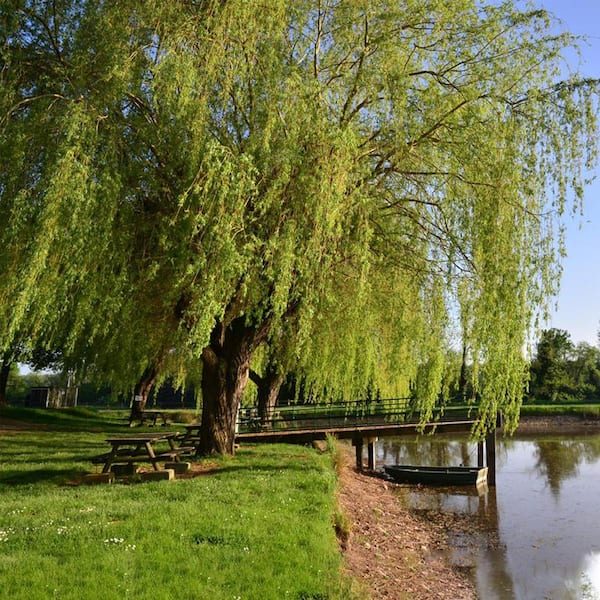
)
(437, 475)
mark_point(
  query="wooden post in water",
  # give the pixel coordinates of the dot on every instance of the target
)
(490, 453)
(480, 455)
(371, 453)
(358, 445)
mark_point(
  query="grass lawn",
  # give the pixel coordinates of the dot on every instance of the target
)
(543, 410)
(258, 526)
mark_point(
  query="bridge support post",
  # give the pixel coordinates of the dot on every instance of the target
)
(358, 446)
(490, 453)
(371, 453)
(480, 455)
(490, 449)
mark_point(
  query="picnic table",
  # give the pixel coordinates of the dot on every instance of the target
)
(140, 448)
(251, 423)
(192, 432)
(154, 415)
(149, 415)
(191, 438)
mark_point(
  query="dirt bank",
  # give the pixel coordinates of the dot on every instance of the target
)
(396, 553)
(558, 424)
(393, 553)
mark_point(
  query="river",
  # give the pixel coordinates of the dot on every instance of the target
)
(536, 535)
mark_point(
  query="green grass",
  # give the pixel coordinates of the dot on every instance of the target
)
(69, 419)
(583, 410)
(259, 527)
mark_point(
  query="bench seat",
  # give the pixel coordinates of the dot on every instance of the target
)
(122, 457)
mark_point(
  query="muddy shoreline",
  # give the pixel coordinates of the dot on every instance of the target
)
(398, 553)
(558, 424)
(391, 552)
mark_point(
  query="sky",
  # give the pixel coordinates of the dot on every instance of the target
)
(578, 309)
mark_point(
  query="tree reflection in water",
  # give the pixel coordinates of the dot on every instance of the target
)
(427, 450)
(539, 534)
(586, 586)
(559, 459)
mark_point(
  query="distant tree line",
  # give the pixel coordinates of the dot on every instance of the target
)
(19, 386)
(563, 372)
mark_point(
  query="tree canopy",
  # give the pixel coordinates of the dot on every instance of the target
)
(563, 372)
(358, 185)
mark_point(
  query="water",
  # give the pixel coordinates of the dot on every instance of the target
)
(535, 536)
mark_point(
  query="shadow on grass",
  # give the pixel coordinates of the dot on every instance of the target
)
(266, 467)
(16, 451)
(65, 419)
(58, 476)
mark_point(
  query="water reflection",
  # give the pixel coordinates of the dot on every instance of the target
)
(587, 585)
(558, 460)
(428, 451)
(536, 535)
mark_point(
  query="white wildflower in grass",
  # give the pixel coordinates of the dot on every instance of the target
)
(62, 530)
(114, 540)
(6, 533)
(117, 541)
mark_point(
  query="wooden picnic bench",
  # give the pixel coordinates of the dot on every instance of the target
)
(140, 448)
(155, 415)
(191, 438)
(192, 432)
(149, 415)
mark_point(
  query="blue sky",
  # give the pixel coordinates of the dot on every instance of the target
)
(578, 309)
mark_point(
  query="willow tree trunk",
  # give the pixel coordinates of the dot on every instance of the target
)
(5, 365)
(225, 371)
(462, 381)
(141, 392)
(268, 388)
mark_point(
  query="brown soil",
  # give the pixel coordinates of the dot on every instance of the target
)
(559, 424)
(8, 426)
(398, 554)
(395, 554)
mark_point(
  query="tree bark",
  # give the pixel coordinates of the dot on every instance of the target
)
(5, 365)
(268, 388)
(225, 372)
(141, 392)
(462, 382)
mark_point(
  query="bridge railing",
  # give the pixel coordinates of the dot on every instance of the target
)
(336, 415)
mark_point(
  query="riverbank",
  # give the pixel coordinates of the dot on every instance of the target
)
(398, 555)
(558, 423)
(394, 554)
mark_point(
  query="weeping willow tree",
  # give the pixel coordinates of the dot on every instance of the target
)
(187, 181)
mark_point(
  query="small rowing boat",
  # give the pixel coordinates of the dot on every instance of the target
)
(437, 475)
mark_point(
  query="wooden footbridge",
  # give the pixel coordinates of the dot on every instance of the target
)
(362, 422)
